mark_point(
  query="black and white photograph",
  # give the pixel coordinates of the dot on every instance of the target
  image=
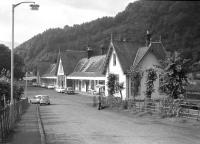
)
(99, 72)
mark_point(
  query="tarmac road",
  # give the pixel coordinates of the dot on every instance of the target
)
(71, 119)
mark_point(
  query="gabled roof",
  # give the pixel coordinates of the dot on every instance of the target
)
(93, 64)
(42, 67)
(125, 51)
(69, 60)
(92, 67)
(155, 47)
(86, 74)
(51, 71)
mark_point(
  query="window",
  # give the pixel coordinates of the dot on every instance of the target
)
(114, 59)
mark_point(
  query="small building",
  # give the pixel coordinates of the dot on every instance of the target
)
(66, 63)
(88, 73)
(124, 56)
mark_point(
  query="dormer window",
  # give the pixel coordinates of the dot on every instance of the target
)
(114, 59)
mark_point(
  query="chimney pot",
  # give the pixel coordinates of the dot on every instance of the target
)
(148, 38)
(89, 52)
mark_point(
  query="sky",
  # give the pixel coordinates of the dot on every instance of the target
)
(52, 14)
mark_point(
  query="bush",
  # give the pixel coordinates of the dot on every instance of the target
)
(5, 90)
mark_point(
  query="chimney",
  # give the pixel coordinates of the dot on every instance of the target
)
(148, 38)
(89, 52)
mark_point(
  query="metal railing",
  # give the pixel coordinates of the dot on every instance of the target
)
(9, 115)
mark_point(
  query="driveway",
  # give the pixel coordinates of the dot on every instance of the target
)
(71, 119)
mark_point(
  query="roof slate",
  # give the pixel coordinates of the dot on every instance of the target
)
(86, 74)
(51, 71)
(126, 52)
(70, 59)
(155, 47)
(42, 67)
(93, 64)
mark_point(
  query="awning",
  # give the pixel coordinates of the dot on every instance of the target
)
(86, 76)
(29, 78)
(49, 77)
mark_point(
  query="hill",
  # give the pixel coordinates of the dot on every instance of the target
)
(176, 22)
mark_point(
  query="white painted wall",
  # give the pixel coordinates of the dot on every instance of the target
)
(60, 72)
(60, 68)
(148, 62)
(117, 69)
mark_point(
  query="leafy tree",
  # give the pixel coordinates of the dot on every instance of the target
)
(5, 91)
(4, 59)
(136, 76)
(5, 63)
(111, 84)
(151, 78)
(175, 76)
(18, 67)
(120, 87)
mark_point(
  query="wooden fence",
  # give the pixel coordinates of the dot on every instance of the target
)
(161, 107)
(9, 115)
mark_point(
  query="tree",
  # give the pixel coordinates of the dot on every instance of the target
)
(4, 59)
(120, 87)
(151, 78)
(136, 76)
(111, 84)
(18, 67)
(5, 64)
(175, 76)
(5, 91)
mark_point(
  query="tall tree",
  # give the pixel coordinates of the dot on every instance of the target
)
(175, 76)
(5, 63)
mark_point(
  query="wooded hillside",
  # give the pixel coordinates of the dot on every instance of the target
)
(177, 23)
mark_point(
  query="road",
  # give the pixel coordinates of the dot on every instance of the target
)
(71, 119)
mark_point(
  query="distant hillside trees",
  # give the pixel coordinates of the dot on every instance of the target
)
(5, 63)
(177, 23)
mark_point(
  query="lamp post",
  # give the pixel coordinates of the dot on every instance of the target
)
(33, 7)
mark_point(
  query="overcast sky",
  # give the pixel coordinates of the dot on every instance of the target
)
(52, 14)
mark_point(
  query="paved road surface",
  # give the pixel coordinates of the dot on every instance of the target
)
(71, 119)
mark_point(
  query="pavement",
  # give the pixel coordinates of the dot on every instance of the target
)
(26, 130)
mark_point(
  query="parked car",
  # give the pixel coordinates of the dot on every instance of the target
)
(69, 90)
(35, 99)
(44, 100)
(43, 85)
(60, 90)
(34, 84)
(51, 86)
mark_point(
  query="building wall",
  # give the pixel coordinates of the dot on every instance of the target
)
(116, 69)
(149, 61)
(61, 78)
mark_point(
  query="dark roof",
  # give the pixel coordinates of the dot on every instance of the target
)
(70, 59)
(93, 64)
(140, 53)
(155, 47)
(158, 50)
(42, 67)
(51, 71)
(86, 74)
(126, 52)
